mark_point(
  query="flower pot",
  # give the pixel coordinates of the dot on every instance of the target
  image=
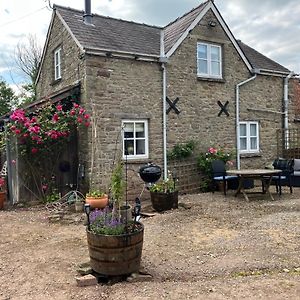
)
(78, 206)
(164, 201)
(97, 202)
(116, 254)
(2, 199)
(126, 213)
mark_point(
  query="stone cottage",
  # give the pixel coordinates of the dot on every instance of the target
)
(227, 93)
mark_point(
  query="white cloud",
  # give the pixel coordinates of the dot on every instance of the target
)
(270, 26)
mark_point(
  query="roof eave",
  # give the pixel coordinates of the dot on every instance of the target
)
(268, 72)
(121, 54)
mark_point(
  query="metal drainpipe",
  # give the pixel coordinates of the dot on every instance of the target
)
(237, 112)
(164, 121)
(163, 60)
(286, 106)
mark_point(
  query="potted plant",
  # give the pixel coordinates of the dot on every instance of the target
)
(115, 241)
(96, 199)
(115, 246)
(2, 192)
(164, 195)
(117, 188)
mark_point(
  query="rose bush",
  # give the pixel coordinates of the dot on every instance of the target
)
(46, 127)
(205, 163)
(41, 136)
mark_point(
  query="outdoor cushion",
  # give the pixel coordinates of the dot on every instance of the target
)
(226, 177)
(277, 177)
(297, 164)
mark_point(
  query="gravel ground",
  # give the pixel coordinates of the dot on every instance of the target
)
(213, 248)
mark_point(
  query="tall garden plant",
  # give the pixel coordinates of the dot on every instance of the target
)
(40, 138)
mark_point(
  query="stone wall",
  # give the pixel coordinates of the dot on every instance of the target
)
(71, 64)
(115, 89)
(198, 98)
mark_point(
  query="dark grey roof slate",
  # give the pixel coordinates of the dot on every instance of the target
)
(118, 35)
(174, 30)
(112, 34)
(260, 61)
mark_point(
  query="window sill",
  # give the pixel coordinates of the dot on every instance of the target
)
(56, 81)
(250, 155)
(211, 79)
(137, 160)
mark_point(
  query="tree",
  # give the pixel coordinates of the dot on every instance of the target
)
(28, 56)
(7, 98)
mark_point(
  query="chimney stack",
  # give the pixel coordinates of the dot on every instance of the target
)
(87, 17)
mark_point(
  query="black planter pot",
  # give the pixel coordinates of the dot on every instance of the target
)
(164, 201)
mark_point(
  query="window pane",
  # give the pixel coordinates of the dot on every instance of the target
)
(215, 53)
(202, 66)
(140, 147)
(243, 130)
(243, 143)
(253, 143)
(129, 148)
(202, 51)
(128, 130)
(139, 129)
(215, 68)
(253, 131)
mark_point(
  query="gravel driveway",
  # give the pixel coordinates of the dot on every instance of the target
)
(213, 248)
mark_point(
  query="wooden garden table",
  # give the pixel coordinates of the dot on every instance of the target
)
(265, 175)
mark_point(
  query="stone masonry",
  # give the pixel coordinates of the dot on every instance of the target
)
(116, 89)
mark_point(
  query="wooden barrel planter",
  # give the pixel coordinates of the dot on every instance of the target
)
(116, 254)
(164, 201)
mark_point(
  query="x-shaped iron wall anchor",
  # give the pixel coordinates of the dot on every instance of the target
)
(172, 105)
(223, 108)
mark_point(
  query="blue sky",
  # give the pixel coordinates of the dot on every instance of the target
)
(270, 26)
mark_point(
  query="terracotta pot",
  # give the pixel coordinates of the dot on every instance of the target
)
(2, 199)
(97, 202)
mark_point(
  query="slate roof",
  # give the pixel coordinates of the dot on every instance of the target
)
(112, 34)
(175, 29)
(260, 61)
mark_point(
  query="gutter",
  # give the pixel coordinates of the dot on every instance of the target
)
(286, 106)
(237, 113)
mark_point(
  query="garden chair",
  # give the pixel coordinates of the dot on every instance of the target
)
(287, 167)
(219, 174)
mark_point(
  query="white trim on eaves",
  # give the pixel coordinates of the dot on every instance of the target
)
(210, 5)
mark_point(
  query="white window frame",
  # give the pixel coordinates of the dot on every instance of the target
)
(248, 137)
(57, 64)
(136, 156)
(209, 61)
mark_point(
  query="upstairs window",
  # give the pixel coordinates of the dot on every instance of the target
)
(57, 64)
(249, 139)
(209, 60)
(135, 139)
